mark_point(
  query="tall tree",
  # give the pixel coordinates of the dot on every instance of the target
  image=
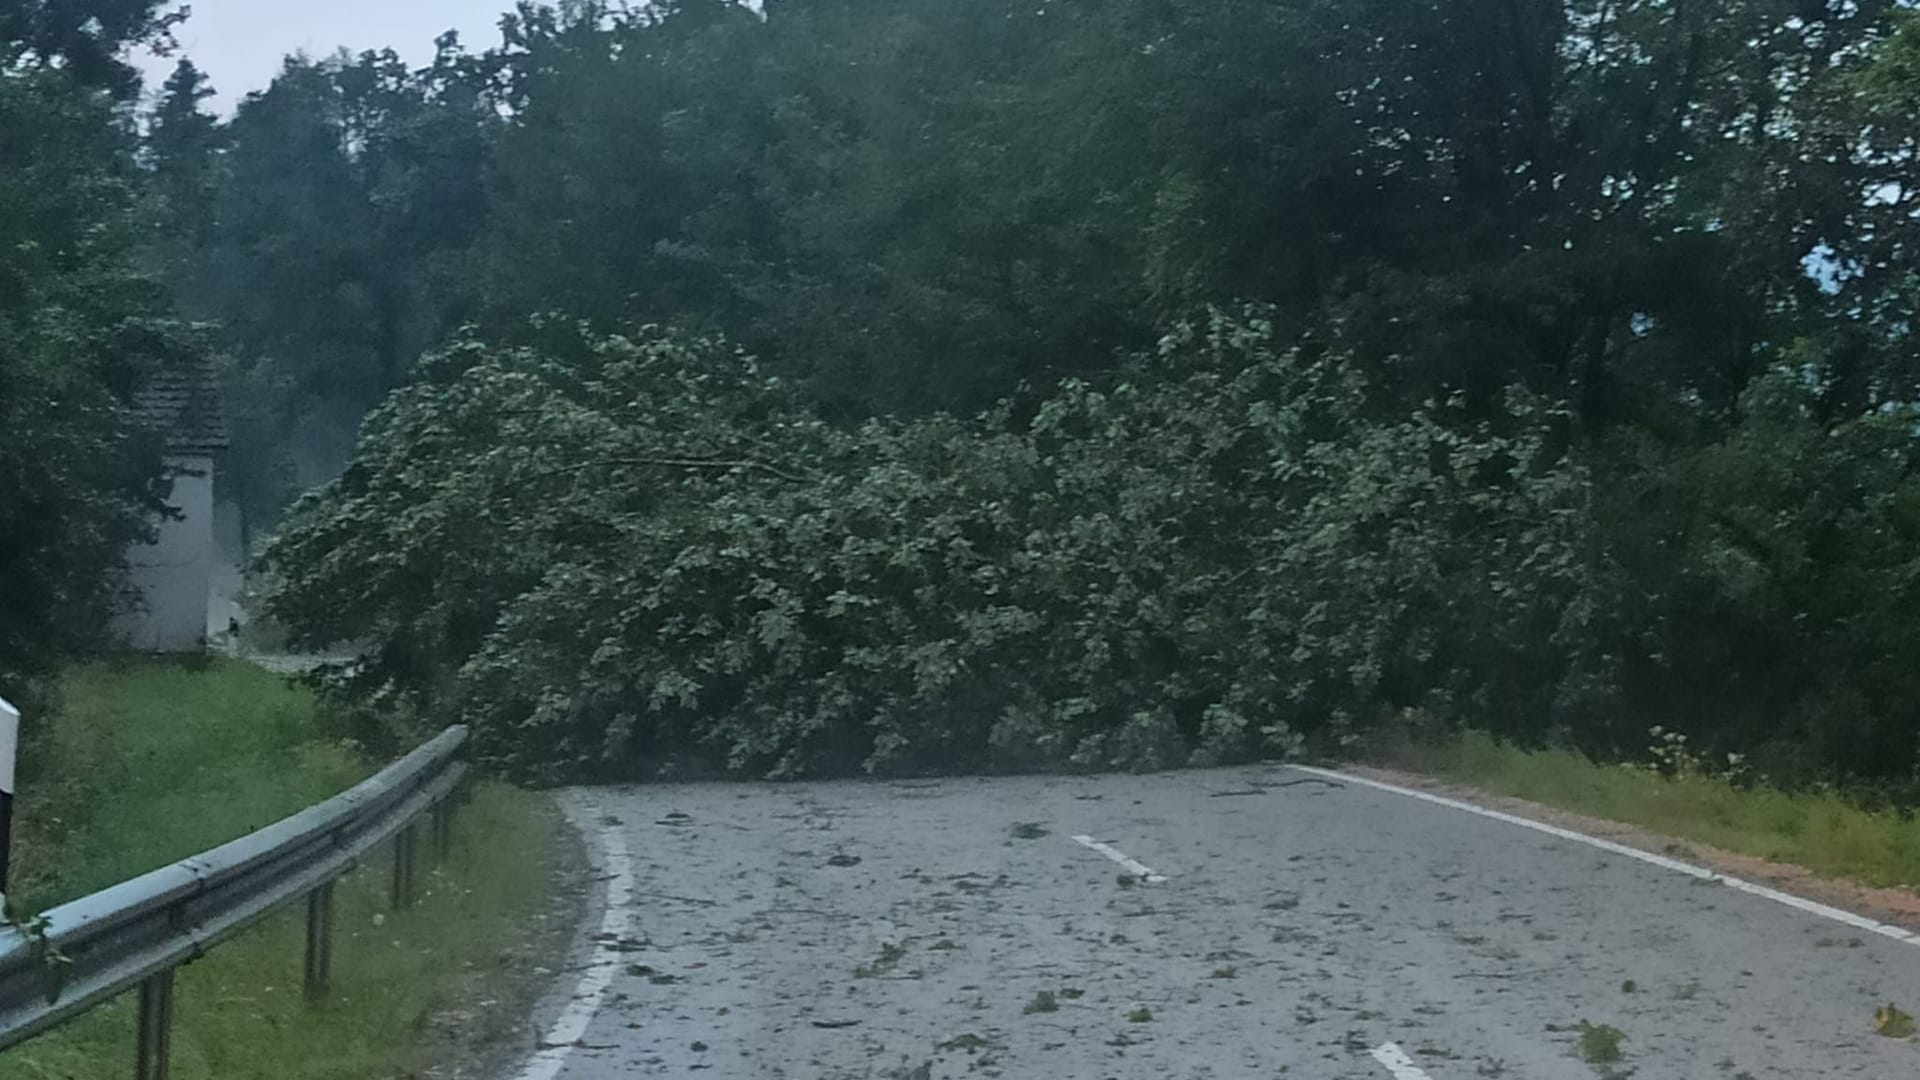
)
(339, 191)
(80, 326)
(182, 148)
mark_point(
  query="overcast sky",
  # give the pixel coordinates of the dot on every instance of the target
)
(240, 43)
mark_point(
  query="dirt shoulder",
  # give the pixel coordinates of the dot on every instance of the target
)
(487, 1022)
(1897, 907)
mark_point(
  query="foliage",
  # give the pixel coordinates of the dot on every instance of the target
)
(83, 39)
(1600, 1043)
(1786, 550)
(1872, 124)
(657, 553)
(1893, 1023)
(80, 326)
(312, 227)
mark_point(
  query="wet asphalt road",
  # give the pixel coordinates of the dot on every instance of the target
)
(956, 928)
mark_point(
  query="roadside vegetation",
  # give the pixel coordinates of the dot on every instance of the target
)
(1831, 832)
(140, 764)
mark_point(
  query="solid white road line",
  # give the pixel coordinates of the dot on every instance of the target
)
(585, 815)
(1858, 922)
(1398, 1063)
(1135, 867)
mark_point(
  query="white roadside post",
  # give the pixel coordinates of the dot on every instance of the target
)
(9, 752)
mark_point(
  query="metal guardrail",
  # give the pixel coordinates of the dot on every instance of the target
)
(136, 933)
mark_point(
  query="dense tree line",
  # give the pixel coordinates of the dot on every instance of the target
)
(914, 207)
(1129, 382)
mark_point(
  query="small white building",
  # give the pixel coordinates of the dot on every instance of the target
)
(172, 578)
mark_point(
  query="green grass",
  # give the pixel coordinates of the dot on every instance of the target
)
(144, 764)
(1823, 832)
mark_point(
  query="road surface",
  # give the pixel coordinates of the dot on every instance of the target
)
(1256, 922)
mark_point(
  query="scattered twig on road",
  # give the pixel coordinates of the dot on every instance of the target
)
(841, 916)
(1304, 780)
(1065, 1029)
(580, 1044)
(681, 899)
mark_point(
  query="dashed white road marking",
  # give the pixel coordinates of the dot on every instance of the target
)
(1858, 922)
(1135, 867)
(1398, 1063)
(591, 991)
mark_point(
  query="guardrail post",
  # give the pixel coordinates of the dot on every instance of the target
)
(319, 941)
(152, 1057)
(403, 852)
(442, 829)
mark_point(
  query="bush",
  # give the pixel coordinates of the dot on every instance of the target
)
(1773, 573)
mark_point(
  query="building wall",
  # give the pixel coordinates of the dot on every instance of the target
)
(172, 575)
(229, 562)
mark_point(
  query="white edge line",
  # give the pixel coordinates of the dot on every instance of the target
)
(1134, 866)
(1398, 1063)
(591, 991)
(1811, 907)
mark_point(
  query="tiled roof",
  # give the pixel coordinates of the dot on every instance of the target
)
(182, 402)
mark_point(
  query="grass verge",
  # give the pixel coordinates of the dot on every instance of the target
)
(1823, 832)
(142, 764)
